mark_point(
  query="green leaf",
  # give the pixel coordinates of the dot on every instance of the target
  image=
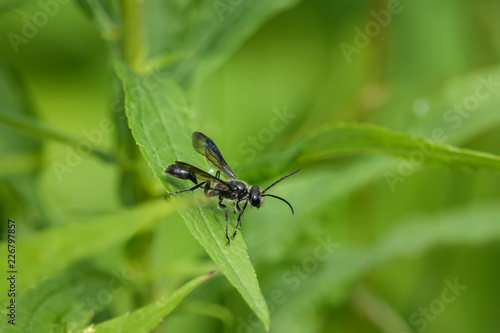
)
(474, 225)
(14, 102)
(59, 304)
(162, 123)
(210, 309)
(100, 12)
(148, 317)
(216, 30)
(75, 241)
(20, 131)
(358, 173)
(20, 154)
(342, 138)
(38, 129)
(339, 139)
(460, 126)
(455, 127)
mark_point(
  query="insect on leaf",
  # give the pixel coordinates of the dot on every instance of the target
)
(161, 123)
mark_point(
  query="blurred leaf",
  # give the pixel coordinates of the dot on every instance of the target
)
(20, 153)
(14, 102)
(446, 111)
(40, 130)
(274, 242)
(457, 128)
(341, 138)
(216, 30)
(18, 164)
(60, 304)
(10, 4)
(474, 225)
(148, 317)
(162, 122)
(210, 309)
(101, 11)
(52, 250)
(344, 138)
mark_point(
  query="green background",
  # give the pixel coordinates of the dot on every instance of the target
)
(236, 66)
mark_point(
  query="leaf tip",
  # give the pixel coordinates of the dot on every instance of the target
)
(266, 324)
(209, 274)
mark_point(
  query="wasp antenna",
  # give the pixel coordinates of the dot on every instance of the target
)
(275, 196)
(282, 178)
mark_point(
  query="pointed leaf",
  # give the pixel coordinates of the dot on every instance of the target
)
(148, 317)
(162, 123)
(341, 138)
(71, 242)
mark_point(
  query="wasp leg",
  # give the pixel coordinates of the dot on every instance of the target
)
(241, 211)
(221, 206)
(188, 189)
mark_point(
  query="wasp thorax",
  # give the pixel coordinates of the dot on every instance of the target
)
(255, 196)
(238, 188)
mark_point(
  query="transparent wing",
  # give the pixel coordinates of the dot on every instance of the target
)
(187, 171)
(206, 147)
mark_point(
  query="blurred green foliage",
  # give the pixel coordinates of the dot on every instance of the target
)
(391, 109)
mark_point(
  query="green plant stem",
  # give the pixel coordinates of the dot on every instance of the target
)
(133, 50)
(132, 34)
(40, 130)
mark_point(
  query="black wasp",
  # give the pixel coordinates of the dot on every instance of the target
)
(233, 189)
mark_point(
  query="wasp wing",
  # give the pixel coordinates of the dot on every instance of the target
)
(206, 147)
(187, 171)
